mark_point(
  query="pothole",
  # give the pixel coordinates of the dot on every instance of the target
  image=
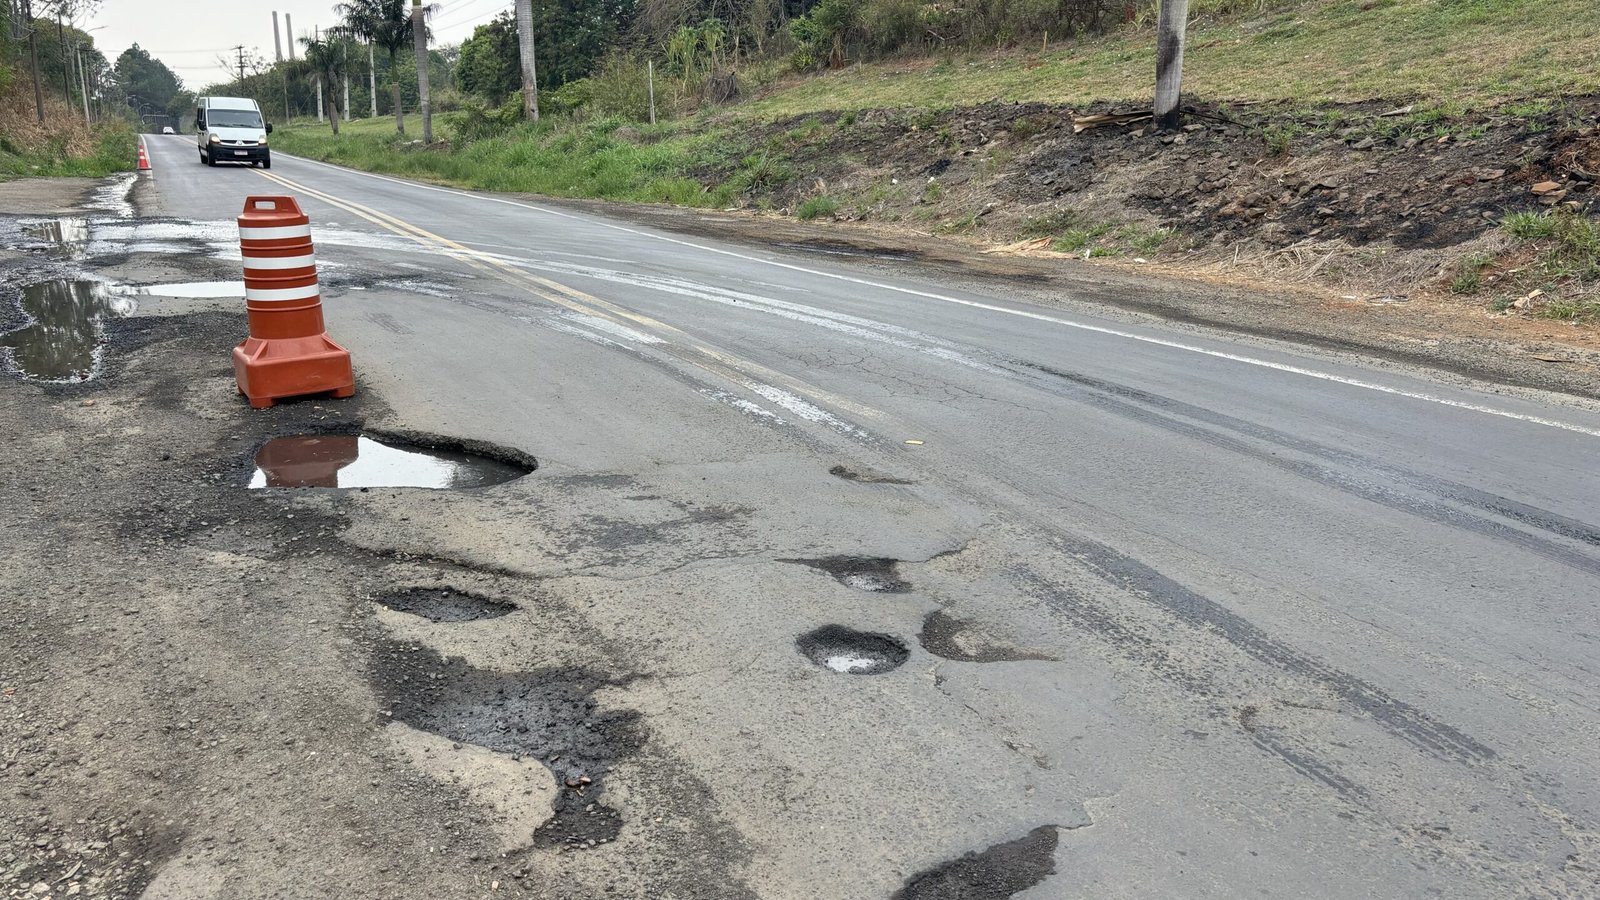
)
(999, 871)
(864, 573)
(852, 652)
(438, 604)
(950, 638)
(356, 461)
(549, 715)
(865, 477)
(69, 232)
(64, 339)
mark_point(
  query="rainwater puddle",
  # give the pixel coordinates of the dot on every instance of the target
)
(60, 231)
(64, 339)
(196, 289)
(852, 652)
(351, 461)
(445, 604)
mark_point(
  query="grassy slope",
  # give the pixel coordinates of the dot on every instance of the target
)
(1448, 53)
(62, 145)
(1464, 51)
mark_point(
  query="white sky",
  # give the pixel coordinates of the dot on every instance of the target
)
(189, 36)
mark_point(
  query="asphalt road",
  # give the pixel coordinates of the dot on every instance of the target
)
(1270, 621)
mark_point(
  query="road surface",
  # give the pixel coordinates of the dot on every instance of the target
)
(1186, 615)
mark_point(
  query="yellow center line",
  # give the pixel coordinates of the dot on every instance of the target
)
(720, 363)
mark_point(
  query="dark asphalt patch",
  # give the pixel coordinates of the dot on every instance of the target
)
(1000, 871)
(865, 477)
(445, 605)
(348, 461)
(950, 638)
(876, 574)
(852, 652)
(65, 334)
(544, 714)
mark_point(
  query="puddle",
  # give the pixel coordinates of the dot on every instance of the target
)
(864, 573)
(852, 652)
(546, 714)
(445, 604)
(196, 289)
(60, 231)
(950, 638)
(350, 461)
(1000, 871)
(64, 339)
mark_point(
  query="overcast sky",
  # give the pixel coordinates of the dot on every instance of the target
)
(189, 37)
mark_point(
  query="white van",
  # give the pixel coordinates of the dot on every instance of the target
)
(232, 129)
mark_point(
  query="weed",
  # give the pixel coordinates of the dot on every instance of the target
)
(1144, 242)
(1028, 126)
(1050, 224)
(817, 206)
(1469, 273)
(1571, 310)
(964, 225)
(1278, 137)
(933, 193)
(1076, 239)
(1529, 225)
(848, 119)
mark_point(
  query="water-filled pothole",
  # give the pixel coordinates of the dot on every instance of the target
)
(63, 340)
(852, 652)
(69, 231)
(353, 461)
(439, 604)
(864, 573)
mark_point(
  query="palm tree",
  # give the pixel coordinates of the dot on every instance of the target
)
(386, 23)
(329, 57)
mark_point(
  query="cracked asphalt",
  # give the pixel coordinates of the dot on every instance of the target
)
(835, 578)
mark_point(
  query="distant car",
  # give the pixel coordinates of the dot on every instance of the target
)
(167, 129)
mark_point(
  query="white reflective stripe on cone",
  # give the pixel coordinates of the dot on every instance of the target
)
(280, 262)
(297, 293)
(275, 232)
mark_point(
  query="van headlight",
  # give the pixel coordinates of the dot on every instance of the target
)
(262, 140)
(215, 140)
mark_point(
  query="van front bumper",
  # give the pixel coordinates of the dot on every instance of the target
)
(232, 153)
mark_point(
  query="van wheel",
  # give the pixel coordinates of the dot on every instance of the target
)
(211, 159)
(266, 163)
(202, 157)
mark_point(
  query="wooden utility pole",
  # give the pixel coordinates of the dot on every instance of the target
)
(650, 73)
(372, 77)
(33, 53)
(530, 75)
(1169, 62)
(419, 31)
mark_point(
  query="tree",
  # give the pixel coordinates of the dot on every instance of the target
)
(146, 80)
(488, 63)
(527, 64)
(329, 57)
(387, 23)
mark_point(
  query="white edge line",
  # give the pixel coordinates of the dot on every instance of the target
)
(1099, 329)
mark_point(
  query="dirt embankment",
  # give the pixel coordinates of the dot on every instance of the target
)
(1357, 203)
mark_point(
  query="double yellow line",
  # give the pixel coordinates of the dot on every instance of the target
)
(740, 371)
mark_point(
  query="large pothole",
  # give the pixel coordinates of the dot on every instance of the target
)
(445, 605)
(63, 340)
(852, 652)
(357, 461)
(549, 715)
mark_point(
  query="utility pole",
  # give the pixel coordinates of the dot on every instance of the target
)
(33, 52)
(372, 77)
(277, 45)
(316, 37)
(419, 31)
(83, 82)
(239, 50)
(530, 75)
(1170, 30)
(344, 48)
(650, 73)
(61, 35)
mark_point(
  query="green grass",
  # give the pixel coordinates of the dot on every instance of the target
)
(823, 206)
(562, 159)
(115, 150)
(1568, 271)
(1475, 52)
(1469, 273)
(1529, 225)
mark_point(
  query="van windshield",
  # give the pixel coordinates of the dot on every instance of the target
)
(233, 118)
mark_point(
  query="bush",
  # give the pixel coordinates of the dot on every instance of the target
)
(477, 122)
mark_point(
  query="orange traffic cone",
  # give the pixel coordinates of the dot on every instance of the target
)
(288, 353)
(144, 158)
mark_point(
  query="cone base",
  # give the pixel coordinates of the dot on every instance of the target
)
(271, 370)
